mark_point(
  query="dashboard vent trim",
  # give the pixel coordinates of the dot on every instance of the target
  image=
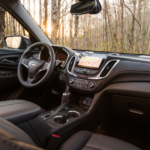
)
(99, 77)
(71, 66)
(107, 69)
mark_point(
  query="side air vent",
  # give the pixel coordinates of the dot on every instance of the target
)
(71, 64)
(108, 68)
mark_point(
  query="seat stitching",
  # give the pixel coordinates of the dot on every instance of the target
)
(14, 128)
(13, 104)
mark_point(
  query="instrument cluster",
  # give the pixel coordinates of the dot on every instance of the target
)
(61, 55)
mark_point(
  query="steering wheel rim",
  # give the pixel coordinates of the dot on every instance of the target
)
(41, 66)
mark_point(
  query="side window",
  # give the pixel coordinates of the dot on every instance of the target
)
(12, 34)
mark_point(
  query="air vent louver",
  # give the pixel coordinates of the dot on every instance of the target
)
(108, 68)
(71, 64)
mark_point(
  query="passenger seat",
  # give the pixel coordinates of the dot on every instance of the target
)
(85, 140)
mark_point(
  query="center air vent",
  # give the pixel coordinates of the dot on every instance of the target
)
(108, 68)
(71, 64)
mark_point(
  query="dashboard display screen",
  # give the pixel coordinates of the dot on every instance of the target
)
(90, 62)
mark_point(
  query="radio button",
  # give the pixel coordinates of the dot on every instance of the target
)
(91, 85)
(71, 81)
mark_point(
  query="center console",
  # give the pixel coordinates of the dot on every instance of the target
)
(83, 69)
(64, 113)
(86, 70)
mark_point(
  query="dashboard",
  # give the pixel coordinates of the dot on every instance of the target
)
(93, 71)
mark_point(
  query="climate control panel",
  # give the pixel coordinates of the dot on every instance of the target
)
(82, 83)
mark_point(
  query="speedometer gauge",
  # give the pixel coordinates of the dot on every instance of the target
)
(64, 57)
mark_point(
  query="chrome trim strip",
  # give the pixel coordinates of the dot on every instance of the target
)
(129, 57)
(71, 73)
(73, 111)
(98, 76)
(66, 59)
(59, 116)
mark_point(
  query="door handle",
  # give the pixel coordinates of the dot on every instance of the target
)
(7, 61)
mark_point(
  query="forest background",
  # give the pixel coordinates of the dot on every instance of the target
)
(122, 26)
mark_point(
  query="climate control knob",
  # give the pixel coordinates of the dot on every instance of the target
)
(71, 81)
(91, 85)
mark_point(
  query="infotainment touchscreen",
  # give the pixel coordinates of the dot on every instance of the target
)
(90, 62)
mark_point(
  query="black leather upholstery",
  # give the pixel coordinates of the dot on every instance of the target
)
(85, 140)
(15, 131)
(9, 142)
(18, 111)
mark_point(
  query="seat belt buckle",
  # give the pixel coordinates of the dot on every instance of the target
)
(53, 142)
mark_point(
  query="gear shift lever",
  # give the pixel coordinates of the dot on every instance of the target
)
(64, 101)
(65, 97)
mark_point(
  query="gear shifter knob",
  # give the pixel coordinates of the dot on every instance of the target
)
(65, 97)
(64, 101)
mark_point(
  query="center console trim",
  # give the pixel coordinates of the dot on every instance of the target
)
(98, 76)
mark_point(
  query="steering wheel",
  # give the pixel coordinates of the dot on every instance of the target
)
(35, 66)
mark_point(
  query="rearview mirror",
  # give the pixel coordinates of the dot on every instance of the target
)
(86, 6)
(16, 42)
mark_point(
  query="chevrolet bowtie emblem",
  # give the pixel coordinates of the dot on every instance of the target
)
(33, 64)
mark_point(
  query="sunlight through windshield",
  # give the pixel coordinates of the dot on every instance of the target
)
(121, 26)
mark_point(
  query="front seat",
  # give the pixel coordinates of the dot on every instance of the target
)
(15, 131)
(16, 139)
(85, 140)
(18, 111)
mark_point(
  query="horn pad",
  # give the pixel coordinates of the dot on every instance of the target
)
(34, 66)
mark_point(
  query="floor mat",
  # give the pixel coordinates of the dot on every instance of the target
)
(132, 133)
(136, 135)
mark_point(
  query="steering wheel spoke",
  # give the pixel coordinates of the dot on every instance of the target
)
(25, 62)
(30, 80)
(45, 66)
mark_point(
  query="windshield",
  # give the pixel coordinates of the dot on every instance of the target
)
(122, 25)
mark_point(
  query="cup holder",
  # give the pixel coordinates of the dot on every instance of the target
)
(59, 119)
(73, 114)
(64, 119)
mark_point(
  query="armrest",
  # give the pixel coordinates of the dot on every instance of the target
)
(18, 111)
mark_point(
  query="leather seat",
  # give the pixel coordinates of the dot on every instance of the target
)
(15, 132)
(12, 138)
(85, 140)
(20, 111)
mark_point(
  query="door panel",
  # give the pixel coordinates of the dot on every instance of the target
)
(8, 67)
